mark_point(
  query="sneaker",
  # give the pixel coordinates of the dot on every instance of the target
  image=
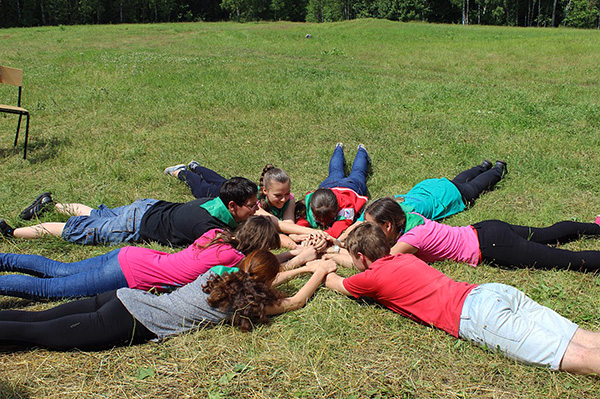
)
(340, 144)
(502, 166)
(597, 221)
(174, 170)
(193, 165)
(486, 164)
(362, 146)
(40, 205)
(5, 229)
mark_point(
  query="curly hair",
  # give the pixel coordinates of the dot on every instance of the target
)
(257, 232)
(246, 293)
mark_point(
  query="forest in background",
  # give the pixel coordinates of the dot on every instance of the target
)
(538, 13)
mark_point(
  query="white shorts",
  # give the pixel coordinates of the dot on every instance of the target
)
(502, 318)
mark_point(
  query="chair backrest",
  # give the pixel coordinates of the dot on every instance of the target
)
(11, 76)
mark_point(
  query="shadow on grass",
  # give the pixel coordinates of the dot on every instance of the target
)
(12, 391)
(16, 303)
(38, 150)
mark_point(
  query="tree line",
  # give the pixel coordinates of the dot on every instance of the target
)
(543, 13)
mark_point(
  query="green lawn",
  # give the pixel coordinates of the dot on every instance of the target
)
(112, 106)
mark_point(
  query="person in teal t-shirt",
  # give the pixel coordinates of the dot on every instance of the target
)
(439, 198)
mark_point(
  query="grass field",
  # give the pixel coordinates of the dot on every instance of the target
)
(112, 106)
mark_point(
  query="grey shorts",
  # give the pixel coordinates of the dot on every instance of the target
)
(504, 319)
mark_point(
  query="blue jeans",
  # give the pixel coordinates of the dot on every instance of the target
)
(53, 279)
(356, 180)
(108, 226)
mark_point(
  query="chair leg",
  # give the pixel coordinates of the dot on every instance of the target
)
(26, 137)
(18, 128)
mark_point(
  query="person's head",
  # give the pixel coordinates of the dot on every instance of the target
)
(256, 233)
(324, 206)
(275, 186)
(239, 196)
(248, 292)
(261, 265)
(387, 214)
(367, 243)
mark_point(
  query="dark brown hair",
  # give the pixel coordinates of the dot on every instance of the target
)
(387, 209)
(369, 240)
(246, 293)
(257, 232)
(324, 205)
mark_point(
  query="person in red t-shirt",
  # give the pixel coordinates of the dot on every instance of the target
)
(339, 200)
(496, 316)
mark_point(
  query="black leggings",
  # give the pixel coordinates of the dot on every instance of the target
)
(505, 244)
(472, 182)
(89, 324)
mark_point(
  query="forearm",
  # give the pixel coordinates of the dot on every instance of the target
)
(344, 235)
(284, 276)
(342, 259)
(302, 296)
(334, 282)
(289, 227)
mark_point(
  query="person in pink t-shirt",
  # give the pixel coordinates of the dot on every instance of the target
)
(493, 241)
(134, 267)
(495, 316)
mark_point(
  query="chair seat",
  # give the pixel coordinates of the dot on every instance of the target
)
(13, 109)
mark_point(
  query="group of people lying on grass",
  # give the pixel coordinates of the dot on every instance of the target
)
(227, 272)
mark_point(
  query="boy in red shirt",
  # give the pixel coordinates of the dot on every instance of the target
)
(494, 315)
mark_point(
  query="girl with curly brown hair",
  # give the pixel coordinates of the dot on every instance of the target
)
(241, 295)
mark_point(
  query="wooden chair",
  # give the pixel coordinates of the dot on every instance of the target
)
(14, 77)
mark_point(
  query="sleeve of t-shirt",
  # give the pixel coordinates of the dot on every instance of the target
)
(413, 237)
(303, 222)
(361, 285)
(337, 228)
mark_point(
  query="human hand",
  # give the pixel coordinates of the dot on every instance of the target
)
(298, 238)
(317, 241)
(305, 254)
(322, 265)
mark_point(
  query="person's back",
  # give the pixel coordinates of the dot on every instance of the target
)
(178, 224)
(408, 286)
(437, 241)
(434, 198)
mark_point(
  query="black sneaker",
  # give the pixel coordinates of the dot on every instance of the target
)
(502, 166)
(486, 164)
(5, 229)
(37, 207)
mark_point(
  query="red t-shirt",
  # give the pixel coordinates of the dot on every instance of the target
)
(407, 285)
(350, 205)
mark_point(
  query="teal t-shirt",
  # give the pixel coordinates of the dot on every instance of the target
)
(412, 219)
(434, 199)
(221, 270)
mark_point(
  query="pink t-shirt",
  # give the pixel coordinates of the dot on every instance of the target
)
(438, 241)
(408, 286)
(146, 268)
